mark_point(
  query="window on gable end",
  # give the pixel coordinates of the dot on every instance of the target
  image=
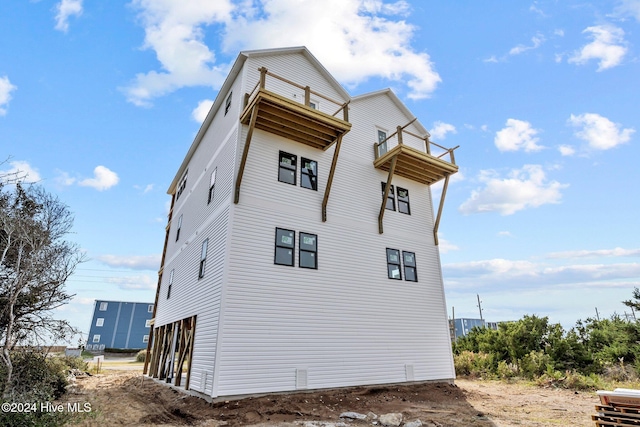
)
(182, 185)
(212, 185)
(287, 168)
(227, 104)
(391, 199)
(382, 148)
(309, 174)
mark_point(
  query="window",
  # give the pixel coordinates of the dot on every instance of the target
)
(309, 174)
(308, 251)
(391, 200)
(403, 201)
(179, 227)
(409, 259)
(287, 169)
(182, 186)
(382, 148)
(203, 258)
(170, 284)
(285, 243)
(393, 264)
(147, 323)
(100, 321)
(150, 308)
(145, 338)
(313, 105)
(103, 306)
(96, 338)
(227, 104)
(212, 185)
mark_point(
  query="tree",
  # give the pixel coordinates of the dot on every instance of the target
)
(635, 303)
(35, 263)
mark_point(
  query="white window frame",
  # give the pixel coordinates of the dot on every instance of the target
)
(145, 339)
(147, 323)
(96, 338)
(103, 306)
(203, 259)
(150, 308)
(100, 321)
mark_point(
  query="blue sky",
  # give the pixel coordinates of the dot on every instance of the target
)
(99, 102)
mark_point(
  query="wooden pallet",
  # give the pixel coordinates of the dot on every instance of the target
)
(617, 416)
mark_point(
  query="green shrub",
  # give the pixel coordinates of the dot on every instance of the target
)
(468, 363)
(506, 370)
(141, 356)
(534, 364)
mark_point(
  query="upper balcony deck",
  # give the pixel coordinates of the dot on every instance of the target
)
(399, 151)
(294, 120)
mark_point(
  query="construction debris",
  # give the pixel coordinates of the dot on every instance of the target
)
(618, 408)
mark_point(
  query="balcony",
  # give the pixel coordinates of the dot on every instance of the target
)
(409, 155)
(297, 121)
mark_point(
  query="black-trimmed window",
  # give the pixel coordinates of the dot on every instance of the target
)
(227, 104)
(182, 185)
(170, 284)
(212, 185)
(409, 261)
(179, 227)
(309, 174)
(285, 244)
(403, 201)
(382, 148)
(393, 264)
(287, 168)
(391, 199)
(308, 251)
(203, 259)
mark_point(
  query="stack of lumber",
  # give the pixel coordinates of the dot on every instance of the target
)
(618, 408)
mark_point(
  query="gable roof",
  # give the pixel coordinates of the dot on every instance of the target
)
(226, 86)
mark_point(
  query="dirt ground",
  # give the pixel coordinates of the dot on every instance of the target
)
(125, 398)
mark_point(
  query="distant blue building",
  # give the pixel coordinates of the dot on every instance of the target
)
(461, 327)
(119, 324)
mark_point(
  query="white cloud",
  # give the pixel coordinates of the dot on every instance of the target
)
(66, 9)
(103, 179)
(559, 32)
(566, 150)
(135, 262)
(5, 94)
(608, 47)
(628, 8)
(441, 129)
(599, 132)
(340, 33)
(200, 112)
(145, 189)
(23, 171)
(517, 135)
(492, 58)
(505, 234)
(142, 282)
(446, 246)
(63, 179)
(524, 188)
(536, 41)
(616, 252)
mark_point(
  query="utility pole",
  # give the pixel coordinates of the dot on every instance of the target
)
(597, 314)
(479, 306)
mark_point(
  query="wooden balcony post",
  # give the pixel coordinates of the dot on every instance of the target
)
(427, 145)
(263, 77)
(307, 96)
(399, 132)
(345, 111)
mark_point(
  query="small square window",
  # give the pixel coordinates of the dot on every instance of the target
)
(403, 201)
(391, 199)
(382, 140)
(203, 259)
(409, 259)
(103, 306)
(227, 104)
(308, 251)
(150, 308)
(147, 323)
(313, 105)
(287, 169)
(393, 264)
(285, 243)
(309, 174)
(96, 338)
(145, 338)
(100, 321)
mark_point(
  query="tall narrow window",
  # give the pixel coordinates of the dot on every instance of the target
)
(403, 201)
(100, 321)
(203, 259)
(409, 259)
(285, 243)
(382, 148)
(308, 251)
(391, 199)
(227, 104)
(182, 185)
(309, 174)
(212, 185)
(393, 264)
(179, 227)
(170, 284)
(287, 169)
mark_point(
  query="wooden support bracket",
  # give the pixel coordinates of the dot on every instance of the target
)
(245, 153)
(327, 190)
(437, 224)
(387, 188)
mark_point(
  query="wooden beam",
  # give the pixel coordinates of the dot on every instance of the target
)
(192, 337)
(437, 224)
(387, 188)
(245, 153)
(327, 189)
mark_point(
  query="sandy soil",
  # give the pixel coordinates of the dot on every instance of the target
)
(125, 398)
